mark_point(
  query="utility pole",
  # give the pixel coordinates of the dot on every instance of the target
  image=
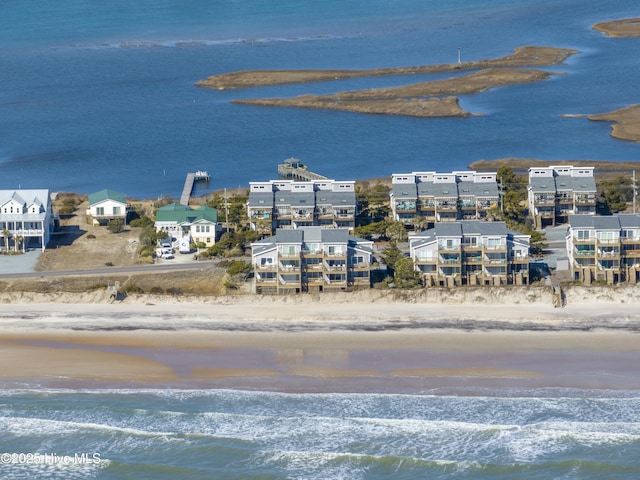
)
(635, 190)
(226, 210)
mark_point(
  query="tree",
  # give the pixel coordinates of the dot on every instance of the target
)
(6, 234)
(115, 225)
(405, 275)
(397, 232)
(390, 256)
(615, 194)
(420, 223)
(18, 239)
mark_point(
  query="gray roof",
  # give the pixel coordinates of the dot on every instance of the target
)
(427, 189)
(629, 220)
(542, 184)
(404, 190)
(261, 199)
(448, 229)
(324, 197)
(471, 227)
(296, 199)
(486, 189)
(605, 222)
(26, 198)
(287, 236)
(575, 184)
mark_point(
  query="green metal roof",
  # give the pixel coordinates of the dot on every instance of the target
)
(178, 213)
(103, 195)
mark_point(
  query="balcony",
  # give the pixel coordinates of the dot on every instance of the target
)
(520, 258)
(473, 259)
(266, 281)
(26, 232)
(581, 252)
(286, 254)
(585, 200)
(360, 267)
(405, 207)
(283, 214)
(335, 254)
(265, 267)
(608, 253)
(325, 215)
(425, 260)
(501, 247)
(543, 200)
(345, 215)
(490, 260)
(302, 215)
(631, 253)
(335, 268)
(447, 206)
(260, 215)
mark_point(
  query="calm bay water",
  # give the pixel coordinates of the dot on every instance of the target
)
(102, 95)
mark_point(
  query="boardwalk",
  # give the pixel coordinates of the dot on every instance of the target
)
(293, 169)
(191, 179)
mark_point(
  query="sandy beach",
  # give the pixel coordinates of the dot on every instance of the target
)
(304, 345)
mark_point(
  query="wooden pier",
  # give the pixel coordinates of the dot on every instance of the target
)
(293, 169)
(192, 178)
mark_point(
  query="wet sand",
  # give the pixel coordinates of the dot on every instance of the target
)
(196, 346)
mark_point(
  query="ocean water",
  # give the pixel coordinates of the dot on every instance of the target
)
(195, 434)
(101, 94)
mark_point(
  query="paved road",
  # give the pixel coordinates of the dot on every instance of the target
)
(164, 267)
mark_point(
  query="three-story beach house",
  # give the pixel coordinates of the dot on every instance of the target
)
(556, 192)
(443, 197)
(604, 248)
(470, 252)
(311, 259)
(26, 219)
(292, 204)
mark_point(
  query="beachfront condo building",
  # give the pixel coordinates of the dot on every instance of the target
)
(187, 225)
(290, 204)
(26, 219)
(556, 192)
(470, 252)
(443, 197)
(604, 248)
(311, 259)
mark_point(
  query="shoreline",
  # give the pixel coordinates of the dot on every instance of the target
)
(334, 348)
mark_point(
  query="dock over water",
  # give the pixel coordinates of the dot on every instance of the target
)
(189, 182)
(293, 169)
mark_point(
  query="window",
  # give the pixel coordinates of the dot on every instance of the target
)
(117, 210)
(582, 234)
(99, 210)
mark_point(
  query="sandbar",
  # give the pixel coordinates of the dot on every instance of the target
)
(422, 99)
(626, 122)
(527, 56)
(628, 27)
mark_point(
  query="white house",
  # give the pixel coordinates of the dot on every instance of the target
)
(189, 224)
(26, 217)
(107, 205)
